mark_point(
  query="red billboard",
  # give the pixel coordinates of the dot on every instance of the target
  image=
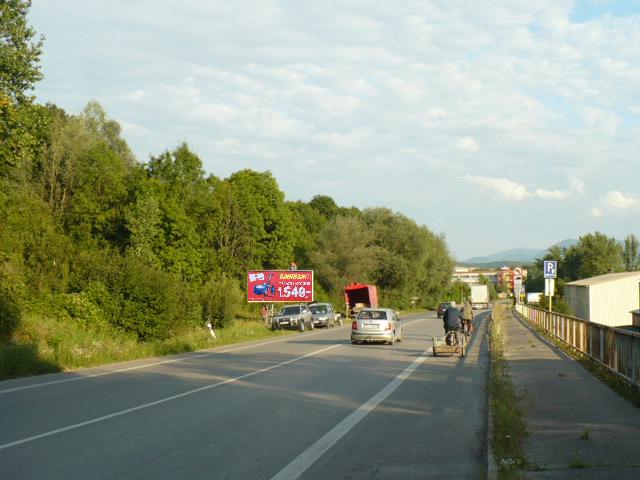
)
(271, 286)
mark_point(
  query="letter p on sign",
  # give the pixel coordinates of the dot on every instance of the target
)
(550, 269)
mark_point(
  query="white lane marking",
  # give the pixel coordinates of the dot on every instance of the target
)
(163, 362)
(163, 400)
(298, 466)
(153, 364)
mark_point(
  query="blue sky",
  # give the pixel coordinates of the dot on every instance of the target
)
(502, 125)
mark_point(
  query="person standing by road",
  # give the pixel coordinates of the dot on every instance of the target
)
(467, 316)
(265, 315)
(452, 323)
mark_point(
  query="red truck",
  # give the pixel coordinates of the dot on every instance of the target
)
(358, 296)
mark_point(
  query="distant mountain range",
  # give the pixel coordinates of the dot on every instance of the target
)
(514, 256)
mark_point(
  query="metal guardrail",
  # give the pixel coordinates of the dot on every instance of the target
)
(615, 348)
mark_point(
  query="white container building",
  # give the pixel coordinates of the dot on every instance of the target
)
(605, 299)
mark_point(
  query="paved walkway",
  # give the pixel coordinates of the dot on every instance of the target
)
(574, 420)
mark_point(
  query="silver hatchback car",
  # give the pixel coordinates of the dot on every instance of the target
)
(376, 325)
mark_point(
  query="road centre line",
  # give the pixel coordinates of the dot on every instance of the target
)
(163, 400)
(163, 362)
(307, 458)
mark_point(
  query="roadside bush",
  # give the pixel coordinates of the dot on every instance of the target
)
(394, 299)
(151, 302)
(107, 303)
(221, 300)
(21, 360)
(558, 305)
(9, 313)
(92, 264)
(79, 309)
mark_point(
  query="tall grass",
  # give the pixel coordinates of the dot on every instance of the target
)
(43, 344)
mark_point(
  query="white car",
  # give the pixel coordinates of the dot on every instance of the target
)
(376, 325)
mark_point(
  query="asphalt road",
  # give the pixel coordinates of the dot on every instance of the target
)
(308, 406)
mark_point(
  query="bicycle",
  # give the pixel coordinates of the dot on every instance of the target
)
(467, 328)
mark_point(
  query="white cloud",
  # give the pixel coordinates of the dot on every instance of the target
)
(621, 201)
(508, 189)
(551, 194)
(500, 187)
(617, 203)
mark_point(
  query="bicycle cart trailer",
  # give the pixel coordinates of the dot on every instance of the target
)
(453, 343)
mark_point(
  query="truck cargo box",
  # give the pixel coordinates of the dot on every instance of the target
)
(479, 296)
(358, 296)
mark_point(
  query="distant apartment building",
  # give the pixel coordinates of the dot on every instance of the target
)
(507, 276)
(471, 275)
(503, 277)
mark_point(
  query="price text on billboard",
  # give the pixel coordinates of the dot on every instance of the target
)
(270, 286)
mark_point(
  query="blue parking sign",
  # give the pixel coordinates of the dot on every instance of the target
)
(550, 269)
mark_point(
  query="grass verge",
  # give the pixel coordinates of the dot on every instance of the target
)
(507, 415)
(45, 345)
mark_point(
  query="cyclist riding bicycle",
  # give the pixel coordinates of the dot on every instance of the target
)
(452, 323)
(467, 317)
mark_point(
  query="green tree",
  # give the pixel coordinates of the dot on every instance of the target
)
(436, 268)
(84, 180)
(230, 232)
(144, 223)
(180, 168)
(34, 255)
(595, 254)
(177, 180)
(260, 202)
(412, 261)
(20, 120)
(459, 291)
(19, 51)
(631, 248)
(325, 205)
(344, 254)
(22, 138)
(307, 222)
(106, 129)
(493, 293)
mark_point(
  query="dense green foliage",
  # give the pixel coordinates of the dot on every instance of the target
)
(98, 249)
(19, 53)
